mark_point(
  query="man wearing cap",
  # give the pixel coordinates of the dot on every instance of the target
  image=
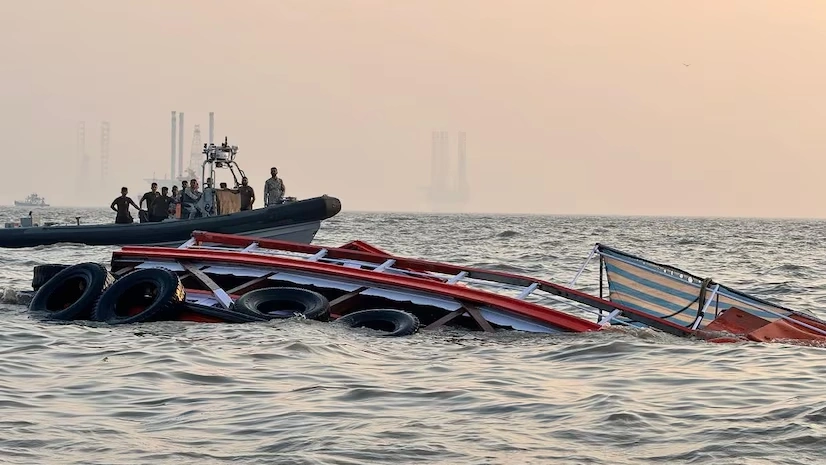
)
(273, 189)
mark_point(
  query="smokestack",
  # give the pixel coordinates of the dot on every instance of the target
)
(104, 153)
(180, 144)
(461, 170)
(211, 125)
(434, 161)
(172, 161)
(444, 161)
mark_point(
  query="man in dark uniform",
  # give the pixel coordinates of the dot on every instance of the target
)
(149, 197)
(186, 201)
(121, 206)
(247, 194)
(160, 206)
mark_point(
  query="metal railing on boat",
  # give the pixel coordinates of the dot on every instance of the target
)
(528, 289)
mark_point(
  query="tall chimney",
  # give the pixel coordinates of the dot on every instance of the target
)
(180, 144)
(211, 125)
(172, 161)
(444, 161)
(461, 170)
(434, 163)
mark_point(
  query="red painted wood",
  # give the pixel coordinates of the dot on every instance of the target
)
(424, 265)
(541, 313)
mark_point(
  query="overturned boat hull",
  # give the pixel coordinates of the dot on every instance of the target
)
(298, 221)
(216, 269)
(221, 270)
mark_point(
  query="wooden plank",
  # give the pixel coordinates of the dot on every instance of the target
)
(346, 301)
(347, 296)
(219, 293)
(248, 284)
(446, 319)
(123, 271)
(477, 315)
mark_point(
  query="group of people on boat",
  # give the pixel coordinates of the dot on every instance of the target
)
(190, 202)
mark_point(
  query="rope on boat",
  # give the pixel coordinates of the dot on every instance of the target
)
(700, 299)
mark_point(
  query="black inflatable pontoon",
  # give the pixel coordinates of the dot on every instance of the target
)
(296, 221)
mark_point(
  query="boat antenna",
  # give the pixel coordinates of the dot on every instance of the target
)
(221, 157)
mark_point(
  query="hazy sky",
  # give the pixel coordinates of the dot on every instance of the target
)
(576, 106)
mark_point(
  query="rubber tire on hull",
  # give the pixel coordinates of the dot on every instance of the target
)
(287, 301)
(166, 295)
(393, 323)
(72, 293)
(41, 274)
(223, 314)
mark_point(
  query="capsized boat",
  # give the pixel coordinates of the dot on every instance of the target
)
(297, 221)
(233, 275)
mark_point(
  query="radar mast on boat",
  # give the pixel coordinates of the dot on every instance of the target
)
(221, 156)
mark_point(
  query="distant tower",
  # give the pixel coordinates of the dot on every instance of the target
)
(461, 170)
(180, 145)
(434, 163)
(83, 175)
(211, 126)
(446, 190)
(444, 163)
(196, 152)
(104, 152)
(172, 161)
(439, 164)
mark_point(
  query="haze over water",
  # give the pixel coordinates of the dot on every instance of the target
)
(569, 107)
(641, 107)
(297, 392)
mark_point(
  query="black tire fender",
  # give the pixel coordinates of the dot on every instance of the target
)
(41, 274)
(149, 294)
(72, 293)
(226, 315)
(391, 322)
(284, 302)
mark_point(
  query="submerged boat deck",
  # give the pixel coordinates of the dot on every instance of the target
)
(641, 293)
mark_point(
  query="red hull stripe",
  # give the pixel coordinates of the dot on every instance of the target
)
(424, 265)
(538, 312)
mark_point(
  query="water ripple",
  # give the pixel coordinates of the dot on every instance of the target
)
(302, 392)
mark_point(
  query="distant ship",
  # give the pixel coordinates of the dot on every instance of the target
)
(33, 200)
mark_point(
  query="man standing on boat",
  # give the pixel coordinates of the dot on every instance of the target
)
(274, 189)
(160, 206)
(208, 199)
(121, 206)
(186, 200)
(149, 197)
(247, 194)
(175, 206)
(194, 197)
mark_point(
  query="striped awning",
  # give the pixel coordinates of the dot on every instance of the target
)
(671, 294)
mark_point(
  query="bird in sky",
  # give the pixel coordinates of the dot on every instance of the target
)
(686, 64)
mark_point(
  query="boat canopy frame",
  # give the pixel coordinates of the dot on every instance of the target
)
(708, 290)
(593, 313)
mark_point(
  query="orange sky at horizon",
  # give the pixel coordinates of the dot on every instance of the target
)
(570, 107)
